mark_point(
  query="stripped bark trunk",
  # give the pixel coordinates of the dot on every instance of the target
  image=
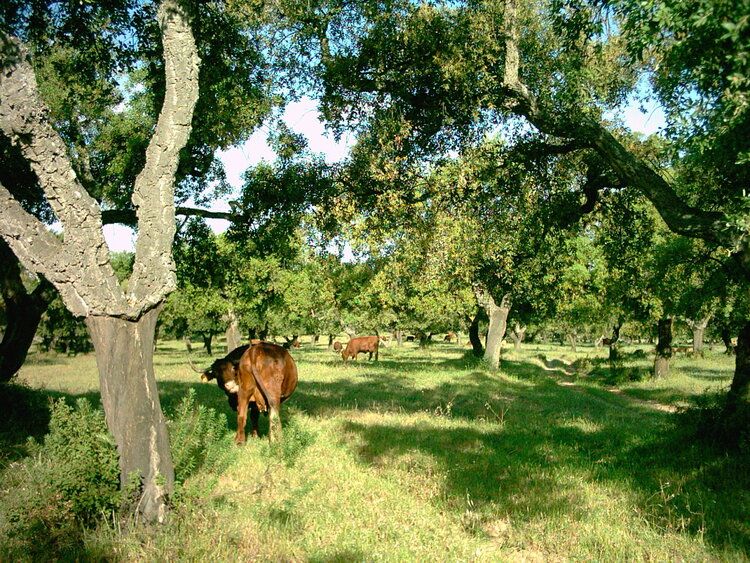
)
(124, 355)
(498, 317)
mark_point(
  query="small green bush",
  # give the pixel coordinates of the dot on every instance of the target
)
(710, 420)
(199, 440)
(62, 487)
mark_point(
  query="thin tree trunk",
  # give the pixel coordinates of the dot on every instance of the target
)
(124, 354)
(517, 335)
(699, 329)
(573, 339)
(498, 318)
(208, 339)
(233, 331)
(663, 348)
(399, 337)
(726, 338)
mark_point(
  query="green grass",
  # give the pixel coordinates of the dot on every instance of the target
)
(427, 455)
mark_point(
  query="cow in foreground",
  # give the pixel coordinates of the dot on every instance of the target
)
(258, 377)
(361, 344)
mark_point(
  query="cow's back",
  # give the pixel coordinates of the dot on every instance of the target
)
(272, 368)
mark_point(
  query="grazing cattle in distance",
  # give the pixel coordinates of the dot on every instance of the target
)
(337, 346)
(361, 344)
(683, 349)
(606, 341)
(450, 337)
(259, 376)
(410, 338)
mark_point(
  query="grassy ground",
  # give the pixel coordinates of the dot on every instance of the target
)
(428, 456)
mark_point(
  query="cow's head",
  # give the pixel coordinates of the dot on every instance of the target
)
(225, 374)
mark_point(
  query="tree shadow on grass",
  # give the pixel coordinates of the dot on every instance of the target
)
(548, 433)
(515, 458)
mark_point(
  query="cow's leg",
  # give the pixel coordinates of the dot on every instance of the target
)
(242, 400)
(254, 414)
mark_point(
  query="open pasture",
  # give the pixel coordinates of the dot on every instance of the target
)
(426, 456)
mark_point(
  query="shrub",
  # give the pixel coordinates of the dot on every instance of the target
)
(62, 487)
(199, 440)
(710, 420)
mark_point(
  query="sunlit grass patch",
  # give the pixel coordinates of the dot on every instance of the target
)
(425, 455)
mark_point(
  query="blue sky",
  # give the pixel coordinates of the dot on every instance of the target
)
(302, 117)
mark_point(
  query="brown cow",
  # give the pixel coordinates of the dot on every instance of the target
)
(337, 346)
(262, 378)
(361, 344)
(449, 337)
(267, 375)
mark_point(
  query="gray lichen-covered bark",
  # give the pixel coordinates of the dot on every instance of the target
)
(121, 323)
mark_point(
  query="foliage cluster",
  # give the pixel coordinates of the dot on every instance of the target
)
(69, 482)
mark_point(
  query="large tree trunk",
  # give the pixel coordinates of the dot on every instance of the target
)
(739, 391)
(124, 355)
(78, 265)
(23, 312)
(663, 348)
(498, 318)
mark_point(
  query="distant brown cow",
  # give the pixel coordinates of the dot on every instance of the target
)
(361, 344)
(449, 337)
(263, 377)
(337, 346)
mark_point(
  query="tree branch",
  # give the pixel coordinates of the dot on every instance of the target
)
(128, 216)
(679, 217)
(153, 195)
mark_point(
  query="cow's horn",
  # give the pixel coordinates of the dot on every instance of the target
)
(192, 365)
